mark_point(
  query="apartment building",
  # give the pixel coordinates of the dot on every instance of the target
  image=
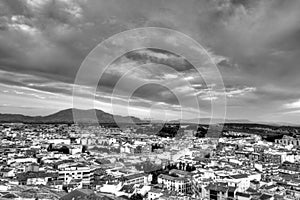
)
(175, 183)
(139, 179)
(82, 172)
(287, 140)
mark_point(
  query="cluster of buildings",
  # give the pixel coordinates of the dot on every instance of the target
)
(70, 161)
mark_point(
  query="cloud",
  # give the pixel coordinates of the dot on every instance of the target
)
(208, 93)
(255, 45)
(234, 92)
(160, 57)
(295, 104)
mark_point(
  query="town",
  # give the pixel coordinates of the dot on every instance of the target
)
(71, 161)
(149, 100)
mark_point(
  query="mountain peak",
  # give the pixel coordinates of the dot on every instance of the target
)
(67, 116)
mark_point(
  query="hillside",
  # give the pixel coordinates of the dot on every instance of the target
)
(66, 116)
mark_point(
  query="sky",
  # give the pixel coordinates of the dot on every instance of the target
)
(255, 46)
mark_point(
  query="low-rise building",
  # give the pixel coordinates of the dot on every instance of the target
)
(36, 178)
(175, 183)
(82, 172)
(287, 140)
(140, 179)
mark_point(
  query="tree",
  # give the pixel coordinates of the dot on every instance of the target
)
(65, 150)
(92, 197)
(50, 147)
(84, 149)
(136, 197)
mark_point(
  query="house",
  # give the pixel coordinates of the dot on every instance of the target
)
(266, 197)
(4, 186)
(242, 181)
(33, 167)
(154, 193)
(242, 196)
(10, 196)
(36, 178)
(140, 179)
(254, 184)
(175, 183)
(126, 190)
(110, 188)
(217, 191)
(79, 171)
(7, 173)
(84, 194)
(142, 189)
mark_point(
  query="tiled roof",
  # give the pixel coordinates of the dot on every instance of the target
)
(134, 176)
(6, 170)
(241, 194)
(163, 176)
(127, 189)
(25, 176)
(265, 197)
(238, 176)
(217, 187)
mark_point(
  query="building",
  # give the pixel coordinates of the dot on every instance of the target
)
(287, 140)
(154, 194)
(240, 181)
(139, 179)
(289, 168)
(242, 196)
(82, 172)
(36, 178)
(219, 191)
(7, 172)
(175, 183)
(267, 169)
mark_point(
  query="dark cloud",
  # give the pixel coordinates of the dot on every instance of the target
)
(159, 56)
(156, 93)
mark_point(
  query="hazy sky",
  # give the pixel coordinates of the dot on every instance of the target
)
(255, 44)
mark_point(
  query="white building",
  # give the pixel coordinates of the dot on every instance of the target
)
(154, 194)
(84, 173)
(178, 184)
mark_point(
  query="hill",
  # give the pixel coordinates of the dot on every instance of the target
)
(210, 121)
(66, 116)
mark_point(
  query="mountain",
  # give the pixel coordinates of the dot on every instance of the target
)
(279, 123)
(212, 121)
(231, 121)
(66, 116)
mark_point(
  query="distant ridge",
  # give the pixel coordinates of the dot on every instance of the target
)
(211, 121)
(230, 121)
(66, 116)
(87, 116)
